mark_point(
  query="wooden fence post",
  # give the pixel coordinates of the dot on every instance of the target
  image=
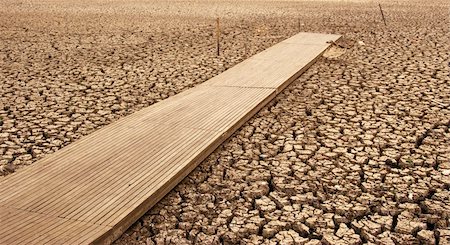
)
(382, 14)
(218, 36)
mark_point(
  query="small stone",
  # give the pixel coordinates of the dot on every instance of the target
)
(426, 237)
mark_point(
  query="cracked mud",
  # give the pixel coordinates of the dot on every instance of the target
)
(356, 151)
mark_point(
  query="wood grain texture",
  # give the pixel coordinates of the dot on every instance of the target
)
(94, 189)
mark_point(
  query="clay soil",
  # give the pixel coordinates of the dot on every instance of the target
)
(357, 150)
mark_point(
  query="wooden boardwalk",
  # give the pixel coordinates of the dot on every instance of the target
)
(92, 190)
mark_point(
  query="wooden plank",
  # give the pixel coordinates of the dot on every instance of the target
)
(32, 228)
(268, 69)
(94, 189)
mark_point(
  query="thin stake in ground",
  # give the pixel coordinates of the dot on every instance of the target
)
(218, 35)
(244, 32)
(382, 14)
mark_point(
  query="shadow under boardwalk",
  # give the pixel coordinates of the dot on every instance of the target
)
(92, 190)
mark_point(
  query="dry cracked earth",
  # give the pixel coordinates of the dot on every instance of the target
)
(356, 151)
